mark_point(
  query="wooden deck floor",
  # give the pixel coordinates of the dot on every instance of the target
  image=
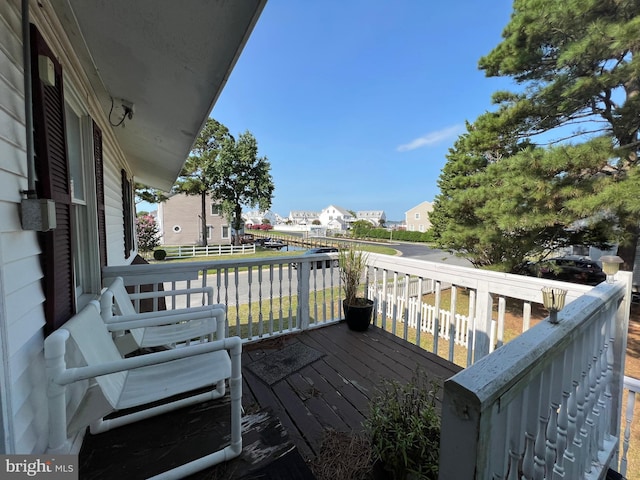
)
(334, 391)
(308, 382)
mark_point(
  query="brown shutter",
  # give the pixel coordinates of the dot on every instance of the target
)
(53, 182)
(102, 227)
(127, 213)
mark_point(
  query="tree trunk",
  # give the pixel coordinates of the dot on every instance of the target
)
(203, 209)
(627, 250)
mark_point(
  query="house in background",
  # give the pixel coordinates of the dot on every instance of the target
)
(180, 223)
(336, 218)
(155, 67)
(257, 217)
(417, 218)
(375, 217)
(303, 217)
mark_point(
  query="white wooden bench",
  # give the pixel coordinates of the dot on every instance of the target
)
(161, 327)
(81, 355)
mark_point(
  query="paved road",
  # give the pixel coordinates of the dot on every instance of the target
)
(422, 252)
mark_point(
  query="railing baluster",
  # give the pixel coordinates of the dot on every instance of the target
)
(452, 320)
(436, 317)
(394, 315)
(290, 316)
(526, 316)
(260, 317)
(280, 311)
(502, 309)
(314, 288)
(471, 326)
(515, 439)
(631, 403)
(419, 313)
(405, 311)
(249, 315)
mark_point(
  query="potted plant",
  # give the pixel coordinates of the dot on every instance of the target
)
(357, 309)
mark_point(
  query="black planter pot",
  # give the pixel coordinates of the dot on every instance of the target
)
(358, 317)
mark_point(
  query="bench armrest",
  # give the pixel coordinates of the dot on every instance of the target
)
(65, 377)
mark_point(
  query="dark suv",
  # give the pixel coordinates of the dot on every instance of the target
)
(567, 269)
(318, 264)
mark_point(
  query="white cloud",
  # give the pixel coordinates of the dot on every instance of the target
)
(432, 138)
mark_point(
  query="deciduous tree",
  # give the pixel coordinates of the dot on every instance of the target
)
(240, 178)
(193, 179)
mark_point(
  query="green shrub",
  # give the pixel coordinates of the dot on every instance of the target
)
(404, 427)
(159, 254)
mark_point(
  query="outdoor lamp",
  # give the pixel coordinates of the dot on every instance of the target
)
(610, 266)
(553, 300)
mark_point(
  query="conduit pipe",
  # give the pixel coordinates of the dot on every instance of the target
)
(28, 101)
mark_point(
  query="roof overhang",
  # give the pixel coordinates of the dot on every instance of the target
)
(169, 58)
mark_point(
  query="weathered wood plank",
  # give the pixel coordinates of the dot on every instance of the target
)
(331, 393)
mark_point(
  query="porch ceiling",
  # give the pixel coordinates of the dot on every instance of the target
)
(170, 58)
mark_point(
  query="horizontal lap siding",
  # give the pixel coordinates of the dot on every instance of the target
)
(113, 207)
(21, 297)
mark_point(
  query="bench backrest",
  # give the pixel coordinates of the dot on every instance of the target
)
(95, 344)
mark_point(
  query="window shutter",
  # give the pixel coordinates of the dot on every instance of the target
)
(127, 212)
(102, 227)
(52, 169)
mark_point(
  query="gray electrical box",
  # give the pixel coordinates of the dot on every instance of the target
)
(38, 214)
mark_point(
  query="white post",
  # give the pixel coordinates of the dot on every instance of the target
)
(619, 354)
(482, 332)
(304, 272)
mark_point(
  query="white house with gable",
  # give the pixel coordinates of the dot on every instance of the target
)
(256, 217)
(336, 218)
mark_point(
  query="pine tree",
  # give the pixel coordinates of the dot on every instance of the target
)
(573, 177)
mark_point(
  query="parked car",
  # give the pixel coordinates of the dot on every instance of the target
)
(247, 239)
(567, 269)
(318, 264)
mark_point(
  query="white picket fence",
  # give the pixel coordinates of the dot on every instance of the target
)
(188, 251)
(450, 326)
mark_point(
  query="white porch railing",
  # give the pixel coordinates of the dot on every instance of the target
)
(399, 304)
(267, 297)
(633, 387)
(548, 403)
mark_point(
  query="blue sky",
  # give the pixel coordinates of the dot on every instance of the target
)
(356, 103)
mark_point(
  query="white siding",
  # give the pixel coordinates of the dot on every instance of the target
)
(21, 314)
(113, 209)
(23, 405)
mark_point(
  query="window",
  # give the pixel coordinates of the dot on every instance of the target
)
(80, 154)
(225, 232)
(216, 209)
(421, 227)
(177, 229)
(209, 232)
(417, 215)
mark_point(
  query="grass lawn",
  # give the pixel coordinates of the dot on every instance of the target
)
(269, 253)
